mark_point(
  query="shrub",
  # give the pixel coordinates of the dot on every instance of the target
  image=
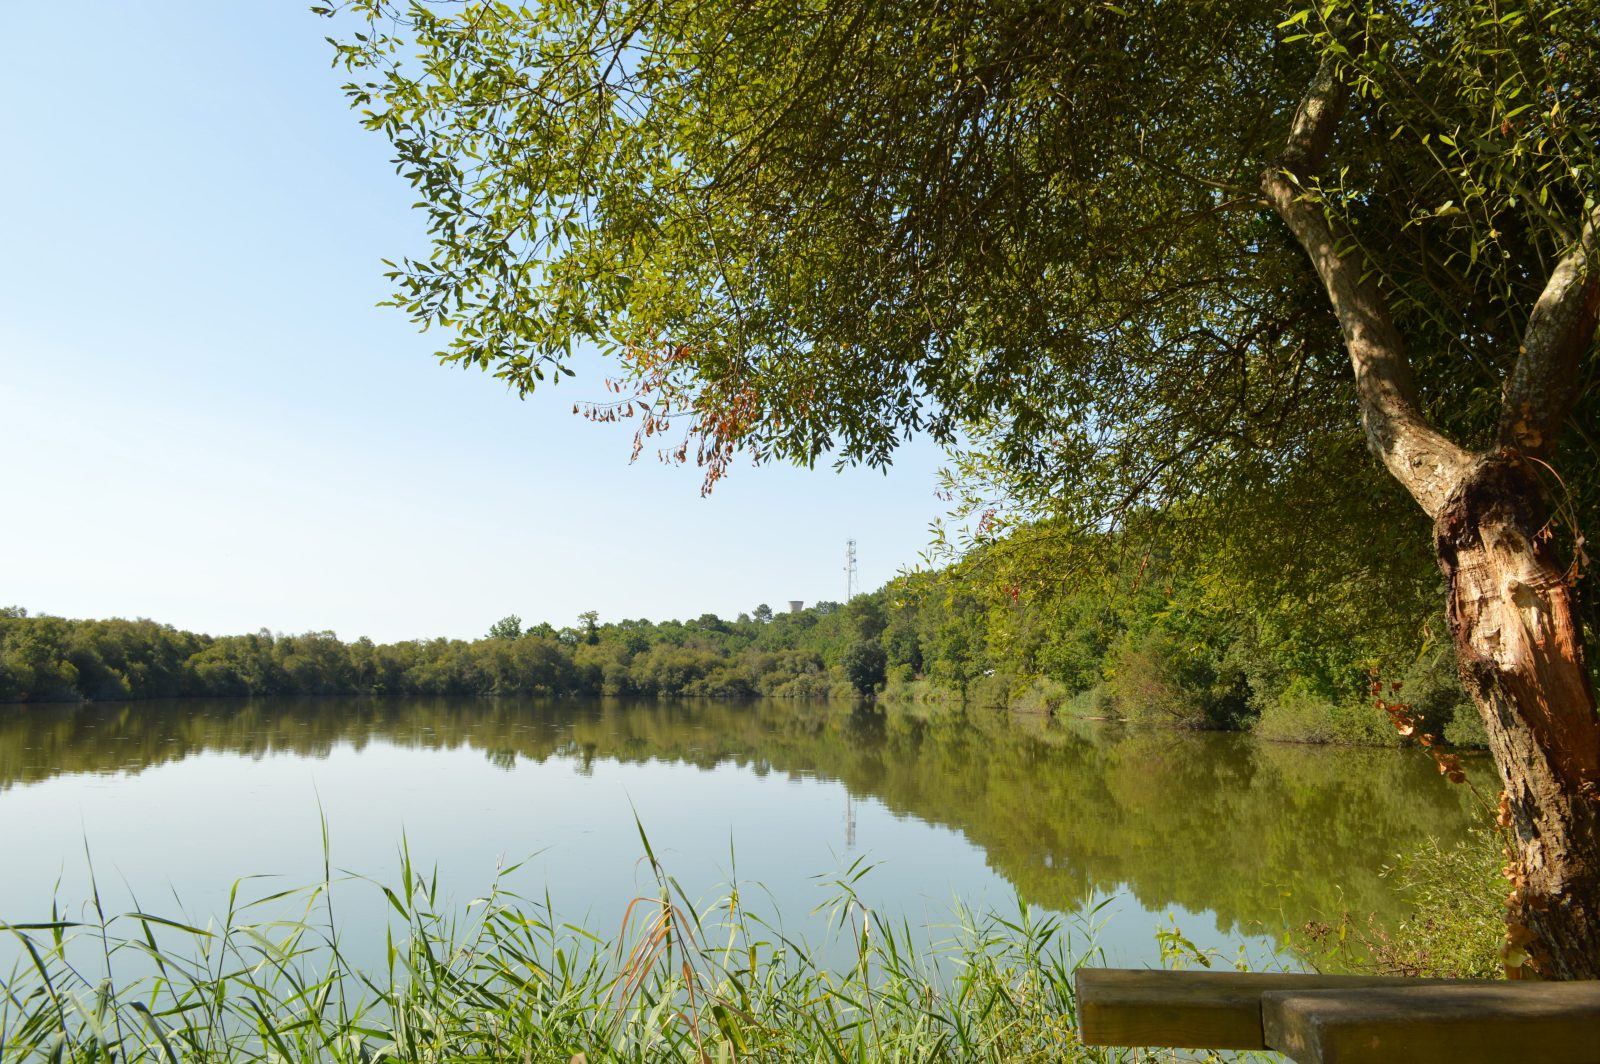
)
(1301, 713)
(1460, 917)
(1466, 729)
(1298, 715)
(864, 663)
(1456, 925)
(1042, 695)
(1433, 689)
(1156, 677)
(1360, 721)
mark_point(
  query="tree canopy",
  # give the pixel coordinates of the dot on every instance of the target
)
(813, 228)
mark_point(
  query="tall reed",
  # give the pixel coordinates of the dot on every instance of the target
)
(504, 979)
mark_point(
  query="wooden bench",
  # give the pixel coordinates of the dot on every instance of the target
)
(1333, 1019)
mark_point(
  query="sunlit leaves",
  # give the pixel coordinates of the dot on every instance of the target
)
(816, 228)
(803, 228)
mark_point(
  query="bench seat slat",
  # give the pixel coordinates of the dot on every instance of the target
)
(1446, 1023)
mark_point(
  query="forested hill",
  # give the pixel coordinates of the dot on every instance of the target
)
(1147, 644)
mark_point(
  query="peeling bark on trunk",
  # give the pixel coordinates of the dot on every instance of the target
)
(1510, 600)
(1520, 652)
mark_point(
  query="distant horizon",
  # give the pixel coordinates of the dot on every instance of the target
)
(527, 622)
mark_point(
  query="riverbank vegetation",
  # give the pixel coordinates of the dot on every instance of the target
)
(508, 980)
(1143, 639)
(1455, 928)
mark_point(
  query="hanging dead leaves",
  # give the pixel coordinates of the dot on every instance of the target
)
(1405, 720)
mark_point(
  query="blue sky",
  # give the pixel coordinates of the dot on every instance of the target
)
(208, 422)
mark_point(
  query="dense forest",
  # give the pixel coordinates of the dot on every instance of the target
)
(1146, 639)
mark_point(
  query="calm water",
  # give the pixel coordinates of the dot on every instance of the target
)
(1235, 840)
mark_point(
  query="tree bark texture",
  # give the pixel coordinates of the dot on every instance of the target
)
(1520, 653)
(1509, 598)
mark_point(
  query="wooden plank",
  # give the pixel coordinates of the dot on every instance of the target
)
(1445, 1023)
(1192, 1010)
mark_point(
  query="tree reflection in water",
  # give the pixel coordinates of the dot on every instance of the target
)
(1264, 835)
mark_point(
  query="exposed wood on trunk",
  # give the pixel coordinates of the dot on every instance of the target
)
(1521, 657)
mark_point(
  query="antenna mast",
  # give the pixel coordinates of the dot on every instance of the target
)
(850, 580)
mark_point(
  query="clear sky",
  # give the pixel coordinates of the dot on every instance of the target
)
(207, 421)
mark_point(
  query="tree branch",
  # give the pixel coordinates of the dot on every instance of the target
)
(1315, 122)
(1418, 456)
(1543, 384)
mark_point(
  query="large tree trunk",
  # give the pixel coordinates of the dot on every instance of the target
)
(1510, 607)
(1510, 599)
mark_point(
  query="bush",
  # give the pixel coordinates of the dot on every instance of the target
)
(1146, 678)
(993, 690)
(1042, 695)
(1303, 714)
(1460, 918)
(1155, 677)
(864, 663)
(918, 691)
(1298, 715)
(1456, 926)
(1466, 729)
(1433, 688)
(1097, 701)
(1360, 721)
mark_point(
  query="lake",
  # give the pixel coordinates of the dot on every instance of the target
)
(915, 809)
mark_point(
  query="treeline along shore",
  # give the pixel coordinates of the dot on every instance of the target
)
(1146, 642)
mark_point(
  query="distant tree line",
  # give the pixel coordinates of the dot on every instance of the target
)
(1146, 639)
(808, 654)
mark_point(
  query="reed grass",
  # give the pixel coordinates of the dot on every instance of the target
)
(504, 979)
